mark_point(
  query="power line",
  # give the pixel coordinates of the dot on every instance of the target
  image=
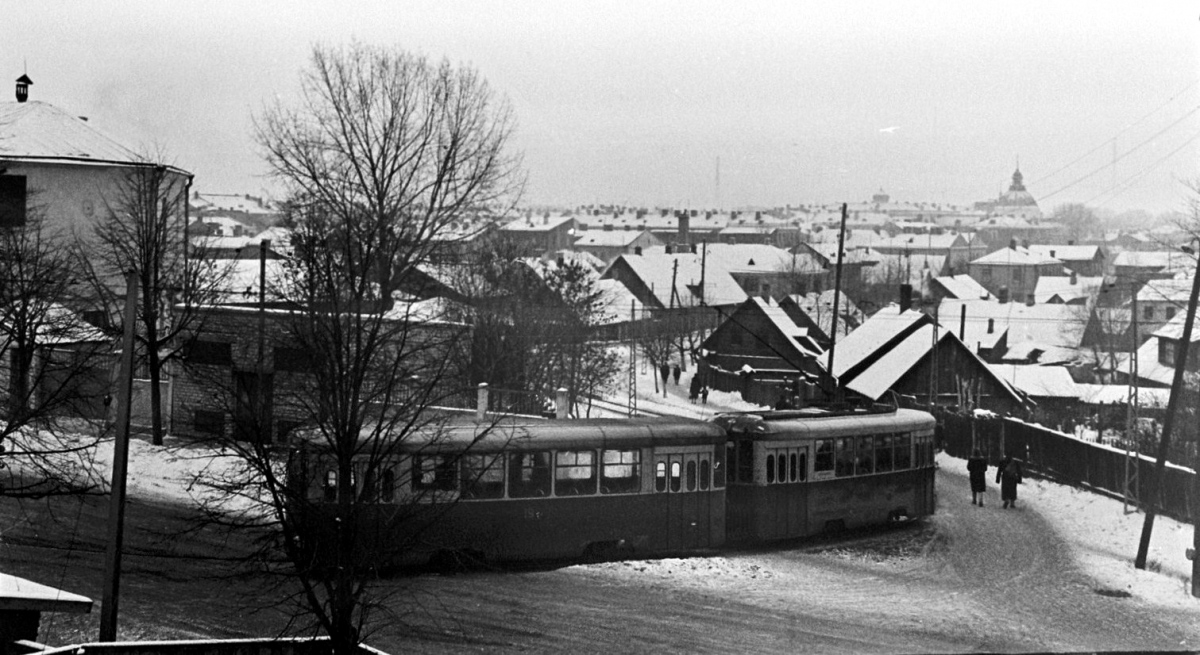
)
(1122, 156)
(1114, 137)
(1128, 183)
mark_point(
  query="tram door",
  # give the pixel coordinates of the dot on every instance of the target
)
(677, 475)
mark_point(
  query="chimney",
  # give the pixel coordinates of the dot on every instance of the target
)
(1002, 296)
(991, 325)
(684, 227)
(637, 250)
(607, 227)
(1029, 301)
(1051, 253)
(694, 249)
(1074, 278)
(905, 297)
(23, 83)
(1012, 243)
(664, 211)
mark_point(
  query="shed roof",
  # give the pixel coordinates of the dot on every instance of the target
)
(26, 595)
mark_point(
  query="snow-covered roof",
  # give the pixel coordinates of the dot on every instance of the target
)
(1066, 288)
(1045, 324)
(58, 325)
(608, 238)
(1175, 291)
(867, 338)
(758, 258)
(1038, 381)
(1065, 253)
(963, 287)
(910, 269)
(1015, 257)
(37, 131)
(1155, 259)
(657, 269)
(1174, 329)
(537, 223)
(797, 337)
(1115, 394)
(232, 202)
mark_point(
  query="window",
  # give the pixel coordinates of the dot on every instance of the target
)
(795, 471)
(781, 464)
(208, 422)
(1170, 312)
(718, 471)
(845, 457)
(1148, 312)
(387, 486)
(575, 473)
(823, 462)
(691, 475)
(676, 481)
(12, 200)
(770, 469)
(660, 476)
(883, 453)
(986, 274)
(296, 360)
(330, 491)
(705, 471)
(1018, 275)
(903, 451)
(621, 471)
(529, 474)
(209, 352)
(482, 476)
(433, 473)
(864, 463)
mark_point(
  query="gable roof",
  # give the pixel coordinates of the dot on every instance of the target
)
(1065, 253)
(40, 132)
(656, 270)
(962, 287)
(1050, 325)
(1066, 288)
(1039, 381)
(610, 238)
(1014, 257)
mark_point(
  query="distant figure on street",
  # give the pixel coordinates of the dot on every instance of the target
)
(977, 467)
(1008, 474)
(664, 372)
(677, 373)
(694, 389)
(704, 394)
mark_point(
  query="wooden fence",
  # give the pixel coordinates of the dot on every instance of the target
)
(1064, 458)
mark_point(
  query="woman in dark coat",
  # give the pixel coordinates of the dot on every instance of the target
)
(977, 467)
(1009, 476)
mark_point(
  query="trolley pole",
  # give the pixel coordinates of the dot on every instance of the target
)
(116, 503)
(837, 298)
(1181, 358)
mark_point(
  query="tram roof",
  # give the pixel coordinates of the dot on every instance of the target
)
(523, 433)
(823, 422)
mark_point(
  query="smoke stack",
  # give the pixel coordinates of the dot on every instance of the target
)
(905, 297)
(991, 325)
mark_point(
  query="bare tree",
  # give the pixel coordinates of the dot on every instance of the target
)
(51, 365)
(144, 230)
(381, 156)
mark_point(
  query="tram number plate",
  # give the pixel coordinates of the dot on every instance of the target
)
(532, 514)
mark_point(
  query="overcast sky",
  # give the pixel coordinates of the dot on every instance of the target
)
(635, 102)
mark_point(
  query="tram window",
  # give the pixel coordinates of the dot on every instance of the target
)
(745, 461)
(482, 476)
(660, 476)
(903, 451)
(883, 452)
(845, 457)
(621, 472)
(691, 475)
(676, 476)
(433, 473)
(718, 473)
(387, 486)
(865, 462)
(330, 486)
(529, 474)
(705, 474)
(824, 459)
(781, 467)
(803, 466)
(770, 469)
(575, 473)
(795, 472)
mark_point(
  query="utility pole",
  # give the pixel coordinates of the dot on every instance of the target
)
(837, 296)
(632, 399)
(116, 503)
(1181, 358)
(260, 392)
(1131, 470)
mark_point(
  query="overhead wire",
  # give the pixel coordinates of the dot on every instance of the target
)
(1128, 183)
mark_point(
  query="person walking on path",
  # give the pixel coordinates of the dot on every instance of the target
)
(977, 467)
(1008, 474)
(704, 394)
(664, 371)
(694, 389)
(676, 372)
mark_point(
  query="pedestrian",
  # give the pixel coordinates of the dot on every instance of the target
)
(977, 467)
(704, 394)
(1008, 474)
(677, 373)
(664, 372)
(694, 389)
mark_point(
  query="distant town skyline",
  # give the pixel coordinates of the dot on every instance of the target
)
(709, 104)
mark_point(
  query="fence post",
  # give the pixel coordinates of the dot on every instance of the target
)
(481, 401)
(560, 403)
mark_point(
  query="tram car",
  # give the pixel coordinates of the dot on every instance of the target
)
(803, 472)
(528, 489)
